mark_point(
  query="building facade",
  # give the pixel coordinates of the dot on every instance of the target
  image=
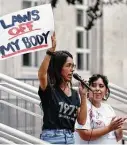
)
(115, 42)
(99, 50)
(70, 22)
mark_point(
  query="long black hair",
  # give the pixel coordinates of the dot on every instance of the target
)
(55, 66)
(95, 77)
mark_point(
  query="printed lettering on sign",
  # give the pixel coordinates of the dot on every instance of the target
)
(26, 31)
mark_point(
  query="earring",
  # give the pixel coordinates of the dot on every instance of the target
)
(106, 96)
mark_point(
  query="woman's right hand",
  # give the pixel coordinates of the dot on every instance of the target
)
(53, 37)
(115, 123)
(83, 91)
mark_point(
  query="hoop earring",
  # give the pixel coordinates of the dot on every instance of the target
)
(106, 96)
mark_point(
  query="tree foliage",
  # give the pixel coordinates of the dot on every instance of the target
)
(93, 12)
(73, 2)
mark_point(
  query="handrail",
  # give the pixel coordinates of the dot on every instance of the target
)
(13, 138)
(35, 90)
(21, 109)
(118, 98)
(21, 90)
(119, 94)
(32, 100)
(21, 135)
(30, 92)
(123, 111)
(117, 88)
(125, 135)
(18, 83)
(125, 131)
(5, 141)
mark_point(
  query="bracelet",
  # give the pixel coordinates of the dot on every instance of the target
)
(48, 52)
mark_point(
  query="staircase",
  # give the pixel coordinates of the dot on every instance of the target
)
(21, 116)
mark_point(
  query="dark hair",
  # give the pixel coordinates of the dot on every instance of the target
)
(55, 66)
(105, 81)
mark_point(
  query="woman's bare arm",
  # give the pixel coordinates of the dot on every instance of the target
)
(93, 134)
(42, 73)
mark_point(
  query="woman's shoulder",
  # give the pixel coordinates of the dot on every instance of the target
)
(108, 107)
(104, 104)
(40, 91)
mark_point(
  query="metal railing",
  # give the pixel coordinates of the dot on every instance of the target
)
(29, 94)
(19, 99)
(21, 109)
(18, 83)
(5, 141)
(31, 81)
(18, 135)
(13, 138)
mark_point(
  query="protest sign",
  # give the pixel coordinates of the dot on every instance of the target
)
(26, 31)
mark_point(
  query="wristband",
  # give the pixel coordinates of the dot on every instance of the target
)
(48, 52)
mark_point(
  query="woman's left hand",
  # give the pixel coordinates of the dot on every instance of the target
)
(124, 118)
(124, 127)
